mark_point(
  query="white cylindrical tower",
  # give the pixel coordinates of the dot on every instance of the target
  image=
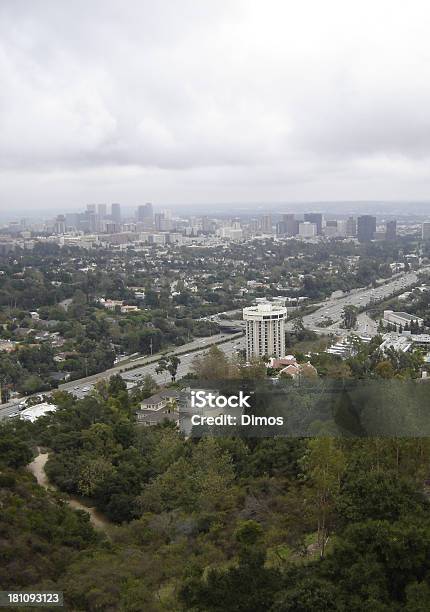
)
(265, 330)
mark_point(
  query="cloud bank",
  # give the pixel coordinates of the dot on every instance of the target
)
(210, 101)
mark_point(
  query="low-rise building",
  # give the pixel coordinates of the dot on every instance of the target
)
(347, 347)
(159, 407)
(398, 342)
(35, 412)
(420, 339)
(289, 365)
(401, 319)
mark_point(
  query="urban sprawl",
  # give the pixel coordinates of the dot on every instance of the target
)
(91, 294)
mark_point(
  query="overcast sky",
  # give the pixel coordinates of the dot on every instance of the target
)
(198, 101)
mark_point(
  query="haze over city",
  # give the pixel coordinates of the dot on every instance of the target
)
(210, 103)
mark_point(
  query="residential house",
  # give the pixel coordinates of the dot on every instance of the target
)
(159, 407)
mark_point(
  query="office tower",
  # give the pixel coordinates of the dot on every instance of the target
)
(92, 221)
(307, 229)
(207, 225)
(291, 225)
(158, 218)
(112, 228)
(425, 230)
(60, 225)
(266, 224)
(280, 228)
(265, 330)
(161, 223)
(330, 229)
(102, 210)
(72, 220)
(351, 227)
(316, 218)
(143, 212)
(91, 208)
(145, 215)
(391, 230)
(341, 227)
(366, 228)
(116, 213)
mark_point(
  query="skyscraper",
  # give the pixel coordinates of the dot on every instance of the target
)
(425, 230)
(351, 227)
(308, 229)
(102, 210)
(316, 218)
(266, 224)
(60, 224)
(145, 215)
(366, 228)
(331, 228)
(391, 230)
(265, 330)
(116, 213)
(291, 225)
(159, 221)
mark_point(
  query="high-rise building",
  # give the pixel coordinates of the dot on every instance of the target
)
(206, 224)
(316, 218)
(91, 208)
(351, 226)
(102, 210)
(60, 224)
(72, 220)
(366, 228)
(291, 225)
(145, 215)
(391, 230)
(341, 227)
(307, 229)
(425, 230)
(265, 330)
(266, 224)
(159, 220)
(92, 221)
(330, 229)
(280, 228)
(116, 213)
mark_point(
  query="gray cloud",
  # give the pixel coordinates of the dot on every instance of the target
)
(203, 101)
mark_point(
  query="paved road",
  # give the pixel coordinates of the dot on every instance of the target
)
(332, 308)
(229, 344)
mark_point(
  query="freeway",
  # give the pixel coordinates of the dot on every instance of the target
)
(141, 367)
(330, 309)
(361, 298)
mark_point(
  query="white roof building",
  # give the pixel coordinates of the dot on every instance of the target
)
(396, 342)
(35, 412)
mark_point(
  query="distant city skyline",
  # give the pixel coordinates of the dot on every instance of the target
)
(212, 102)
(385, 209)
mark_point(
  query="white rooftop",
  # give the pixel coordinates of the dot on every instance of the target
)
(34, 412)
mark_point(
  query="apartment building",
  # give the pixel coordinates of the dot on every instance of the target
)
(265, 330)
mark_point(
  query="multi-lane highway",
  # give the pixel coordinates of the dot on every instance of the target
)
(330, 309)
(361, 298)
(230, 343)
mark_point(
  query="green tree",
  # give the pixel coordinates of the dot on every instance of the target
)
(349, 316)
(324, 464)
